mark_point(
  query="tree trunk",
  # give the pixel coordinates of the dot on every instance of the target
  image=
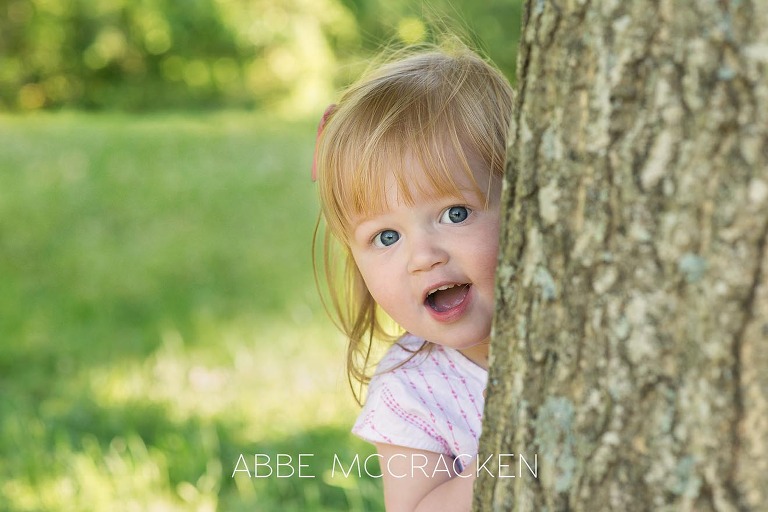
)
(630, 346)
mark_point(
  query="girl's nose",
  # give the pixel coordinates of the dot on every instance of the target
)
(426, 253)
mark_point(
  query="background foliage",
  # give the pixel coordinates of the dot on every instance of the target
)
(150, 54)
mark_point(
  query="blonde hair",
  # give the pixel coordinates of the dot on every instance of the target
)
(432, 103)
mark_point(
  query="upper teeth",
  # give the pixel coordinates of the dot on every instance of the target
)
(444, 287)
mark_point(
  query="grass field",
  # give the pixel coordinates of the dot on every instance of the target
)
(158, 318)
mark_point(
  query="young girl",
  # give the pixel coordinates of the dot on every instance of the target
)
(409, 167)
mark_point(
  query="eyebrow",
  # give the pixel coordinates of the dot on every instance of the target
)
(464, 191)
(354, 224)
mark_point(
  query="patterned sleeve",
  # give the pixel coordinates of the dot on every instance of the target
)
(395, 413)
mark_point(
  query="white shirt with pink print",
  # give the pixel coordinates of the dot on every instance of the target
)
(433, 402)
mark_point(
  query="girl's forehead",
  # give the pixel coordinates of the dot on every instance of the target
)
(413, 182)
(416, 180)
(459, 167)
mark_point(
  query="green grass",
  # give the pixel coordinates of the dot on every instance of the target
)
(158, 317)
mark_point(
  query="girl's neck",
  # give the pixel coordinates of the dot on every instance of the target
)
(478, 354)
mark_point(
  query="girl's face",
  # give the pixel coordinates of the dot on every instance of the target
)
(431, 265)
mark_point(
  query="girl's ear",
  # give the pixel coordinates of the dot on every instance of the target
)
(328, 111)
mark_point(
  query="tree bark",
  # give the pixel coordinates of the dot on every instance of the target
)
(630, 345)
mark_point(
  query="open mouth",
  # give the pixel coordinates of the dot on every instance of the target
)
(447, 297)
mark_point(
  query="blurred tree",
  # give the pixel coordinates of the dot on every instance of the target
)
(491, 25)
(149, 54)
(163, 54)
(631, 338)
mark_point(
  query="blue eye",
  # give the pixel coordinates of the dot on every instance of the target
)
(386, 238)
(455, 214)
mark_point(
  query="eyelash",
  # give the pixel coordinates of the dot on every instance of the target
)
(447, 210)
(375, 240)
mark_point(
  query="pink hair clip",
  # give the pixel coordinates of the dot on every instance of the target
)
(328, 111)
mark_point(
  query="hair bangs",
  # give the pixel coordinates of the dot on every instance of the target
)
(372, 161)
